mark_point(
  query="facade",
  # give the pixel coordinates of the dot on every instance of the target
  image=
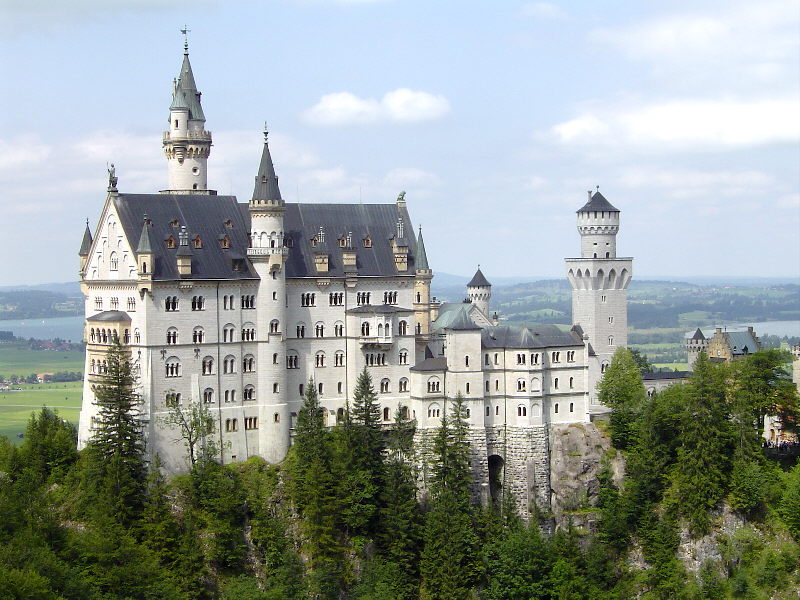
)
(240, 305)
(722, 345)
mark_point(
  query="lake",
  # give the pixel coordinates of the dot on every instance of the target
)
(66, 328)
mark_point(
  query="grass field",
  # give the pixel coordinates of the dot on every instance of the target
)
(15, 360)
(16, 407)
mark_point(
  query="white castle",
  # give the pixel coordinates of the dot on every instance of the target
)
(239, 305)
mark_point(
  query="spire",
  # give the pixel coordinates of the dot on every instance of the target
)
(86, 244)
(185, 94)
(478, 280)
(422, 257)
(266, 187)
(597, 202)
(146, 243)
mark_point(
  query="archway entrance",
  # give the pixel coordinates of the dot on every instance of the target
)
(496, 473)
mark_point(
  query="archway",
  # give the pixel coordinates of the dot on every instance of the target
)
(496, 474)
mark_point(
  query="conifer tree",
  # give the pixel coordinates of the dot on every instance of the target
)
(621, 389)
(117, 447)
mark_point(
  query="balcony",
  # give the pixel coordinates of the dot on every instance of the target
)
(279, 251)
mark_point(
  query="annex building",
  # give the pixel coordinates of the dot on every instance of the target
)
(240, 304)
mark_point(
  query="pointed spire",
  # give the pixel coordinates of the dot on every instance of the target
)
(479, 280)
(266, 187)
(86, 244)
(185, 94)
(422, 257)
(146, 243)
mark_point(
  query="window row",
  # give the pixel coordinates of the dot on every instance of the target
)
(107, 336)
(114, 303)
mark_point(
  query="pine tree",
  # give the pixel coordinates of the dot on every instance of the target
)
(621, 389)
(117, 447)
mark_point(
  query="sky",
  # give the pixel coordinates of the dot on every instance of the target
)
(494, 118)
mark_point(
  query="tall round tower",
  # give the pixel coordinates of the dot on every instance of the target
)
(186, 142)
(268, 254)
(479, 291)
(599, 281)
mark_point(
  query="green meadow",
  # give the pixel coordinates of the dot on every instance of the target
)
(16, 406)
(16, 359)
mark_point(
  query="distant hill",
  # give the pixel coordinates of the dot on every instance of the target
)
(71, 289)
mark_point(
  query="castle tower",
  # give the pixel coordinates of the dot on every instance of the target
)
(86, 247)
(694, 346)
(599, 281)
(186, 143)
(479, 292)
(268, 255)
(422, 289)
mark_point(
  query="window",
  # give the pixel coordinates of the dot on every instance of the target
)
(486, 386)
(571, 407)
(301, 330)
(227, 333)
(365, 328)
(520, 385)
(338, 359)
(98, 304)
(610, 320)
(248, 364)
(307, 299)
(248, 333)
(402, 328)
(555, 383)
(208, 395)
(248, 301)
(520, 359)
(466, 361)
(488, 411)
(522, 411)
(114, 262)
(171, 303)
(319, 359)
(225, 242)
(384, 386)
(292, 361)
(251, 422)
(495, 358)
(274, 326)
(535, 386)
(131, 303)
(555, 408)
(230, 395)
(433, 385)
(114, 303)
(137, 337)
(320, 388)
(229, 365)
(173, 367)
(402, 385)
(403, 357)
(338, 329)
(198, 335)
(486, 359)
(126, 338)
(390, 297)
(571, 356)
(556, 357)
(198, 303)
(386, 413)
(319, 330)
(336, 299)
(172, 399)
(611, 340)
(497, 410)
(467, 389)
(275, 358)
(249, 392)
(603, 299)
(367, 242)
(208, 366)
(172, 336)
(363, 298)
(170, 242)
(535, 359)
(198, 242)
(496, 385)
(603, 367)
(571, 383)
(231, 425)
(433, 410)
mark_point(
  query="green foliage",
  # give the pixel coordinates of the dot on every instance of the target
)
(789, 506)
(195, 427)
(621, 389)
(519, 566)
(49, 446)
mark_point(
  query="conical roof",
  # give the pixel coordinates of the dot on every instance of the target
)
(146, 243)
(422, 257)
(597, 202)
(698, 335)
(185, 94)
(478, 280)
(86, 244)
(266, 187)
(462, 322)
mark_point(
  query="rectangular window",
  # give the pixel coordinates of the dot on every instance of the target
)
(98, 304)
(251, 423)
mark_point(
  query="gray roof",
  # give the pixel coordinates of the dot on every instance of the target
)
(382, 309)
(597, 202)
(698, 335)
(431, 364)
(742, 342)
(202, 214)
(146, 243)
(185, 94)
(110, 315)
(521, 336)
(378, 221)
(422, 256)
(462, 322)
(665, 375)
(86, 244)
(450, 312)
(478, 280)
(266, 187)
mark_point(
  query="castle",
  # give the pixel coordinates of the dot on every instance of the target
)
(239, 305)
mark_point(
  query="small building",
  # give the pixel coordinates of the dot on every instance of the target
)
(722, 345)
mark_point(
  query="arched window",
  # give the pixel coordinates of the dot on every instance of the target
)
(137, 337)
(248, 332)
(208, 366)
(319, 359)
(402, 358)
(365, 328)
(198, 335)
(275, 388)
(571, 407)
(275, 358)
(338, 359)
(229, 365)
(172, 336)
(172, 367)
(248, 363)
(227, 333)
(384, 386)
(386, 413)
(555, 408)
(274, 325)
(555, 383)
(433, 385)
(380, 329)
(535, 384)
(488, 410)
(466, 388)
(433, 410)
(466, 361)
(338, 329)
(404, 413)
(522, 410)
(292, 360)
(301, 330)
(520, 385)
(320, 388)
(486, 385)
(208, 395)
(114, 262)
(402, 385)
(319, 330)
(172, 399)
(611, 340)
(402, 328)
(249, 392)
(571, 382)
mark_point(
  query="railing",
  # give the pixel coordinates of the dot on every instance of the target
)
(278, 251)
(189, 135)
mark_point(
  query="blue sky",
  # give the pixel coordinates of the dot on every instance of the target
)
(495, 118)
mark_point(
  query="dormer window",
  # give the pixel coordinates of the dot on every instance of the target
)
(225, 242)
(313, 242)
(229, 224)
(175, 223)
(367, 242)
(342, 242)
(288, 242)
(198, 242)
(170, 242)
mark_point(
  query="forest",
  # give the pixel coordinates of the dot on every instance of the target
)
(343, 518)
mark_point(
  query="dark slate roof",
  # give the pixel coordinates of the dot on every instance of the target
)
(742, 342)
(599, 203)
(431, 364)
(110, 315)
(478, 280)
(378, 221)
(146, 242)
(521, 336)
(382, 309)
(185, 94)
(698, 335)
(665, 375)
(202, 214)
(462, 322)
(422, 256)
(266, 187)
(86, 244)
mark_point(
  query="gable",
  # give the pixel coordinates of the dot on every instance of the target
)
(111, 256)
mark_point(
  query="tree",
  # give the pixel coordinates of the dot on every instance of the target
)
(621, 389)
(117, 446)
(641, 360)
(195, 426)
(49, 446)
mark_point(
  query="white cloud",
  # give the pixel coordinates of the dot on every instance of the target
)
(22, 151)
(402, 105)
(685, 123)
(405, 177)
(693, 183)
(542, 10)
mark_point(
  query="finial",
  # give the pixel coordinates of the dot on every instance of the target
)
(590, 194)
(185, 31)
(87, 221)
(266, 132)
(597, 187)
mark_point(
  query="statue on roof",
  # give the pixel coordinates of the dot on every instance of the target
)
(112, 177)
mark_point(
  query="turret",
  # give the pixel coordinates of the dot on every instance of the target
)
(186, 142)
(479, 292)
(86, 247)
(145, 255)
(268, 254)
(598, 224)
(422, 288)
